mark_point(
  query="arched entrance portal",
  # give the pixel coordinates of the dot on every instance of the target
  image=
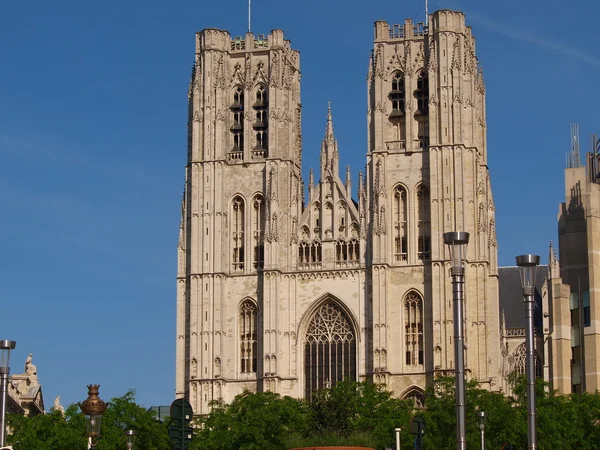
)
(329, 349)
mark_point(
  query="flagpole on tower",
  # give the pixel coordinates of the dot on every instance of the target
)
(426, 12)
(249, 11)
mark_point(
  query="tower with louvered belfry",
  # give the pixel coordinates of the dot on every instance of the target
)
(291, 287)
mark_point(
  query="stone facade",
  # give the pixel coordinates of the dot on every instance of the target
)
(281, 293)
(25, 392)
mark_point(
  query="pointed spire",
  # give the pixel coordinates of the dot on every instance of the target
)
(329, 130)
(348, 178)
(311, 183)
(553, 263)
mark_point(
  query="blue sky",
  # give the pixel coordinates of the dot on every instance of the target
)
(93, 145)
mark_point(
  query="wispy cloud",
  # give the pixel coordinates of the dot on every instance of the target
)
(523, 36)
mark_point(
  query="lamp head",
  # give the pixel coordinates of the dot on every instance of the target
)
(481, 420)
(457, 245)
(130, 438)
(93, 407)
(5, 348)
(527, 270)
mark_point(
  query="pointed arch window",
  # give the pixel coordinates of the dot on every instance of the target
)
(519, 364)
(237, 125)
(397, 95)
(237, 233)
(400, 213)
(329, 349)
(413, 329)
(422, 93)
(248, 343)
(261, 125)
(258, 225)
(423, 223)
(347, 252)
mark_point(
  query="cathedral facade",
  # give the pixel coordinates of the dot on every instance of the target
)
(289, 294)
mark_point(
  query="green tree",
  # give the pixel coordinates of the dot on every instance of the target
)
(54, 431)
(253, 421)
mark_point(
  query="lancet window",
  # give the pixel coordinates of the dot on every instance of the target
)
(413, 329)
(422, 93)
(400, 212)
(397, 95)
(329, 349)
(261, 125)
(347, 251)
(258, 224)
(309, 254)
(237, 233)
(423, 223)
(248, 344)
(237, 126)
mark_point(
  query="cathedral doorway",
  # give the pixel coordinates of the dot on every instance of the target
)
(329, 348)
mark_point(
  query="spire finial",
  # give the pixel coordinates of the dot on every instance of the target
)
(329, 131)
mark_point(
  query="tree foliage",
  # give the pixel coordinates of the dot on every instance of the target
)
(54, 431)
(351, 413)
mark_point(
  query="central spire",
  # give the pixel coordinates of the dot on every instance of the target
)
(329, 138)
(329, 152)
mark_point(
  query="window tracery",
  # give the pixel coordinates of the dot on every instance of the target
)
(258, 225)
(261, 125)
(248, 343)
(519, 361)
(423, 223)
(413, 328)
(422, 93)
(400, 212)
(397, 95)
(237, 233)
(237, 126)
(329, 349)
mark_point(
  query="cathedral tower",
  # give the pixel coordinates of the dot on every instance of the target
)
(242, 197)
(427, 174)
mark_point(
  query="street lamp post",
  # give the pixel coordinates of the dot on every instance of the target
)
(130, 438)
(481, 423)
(457, 244)
(93, 407)
(5, 348)
(527, 269)
(398, 430)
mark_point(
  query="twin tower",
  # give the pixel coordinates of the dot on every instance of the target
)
(290, 288)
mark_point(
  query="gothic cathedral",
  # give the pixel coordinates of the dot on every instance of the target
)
(289, 294)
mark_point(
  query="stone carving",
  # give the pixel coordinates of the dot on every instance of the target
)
(479, 81)
(57, 406)
(408, 64)
(238, 77)
(274, 73)
(219, 71)
(274, 232)
(420, 56)
(30, 369)
(248, 72)
(379, 61)
(456, 59)
(432, 57)
(396, 61)
(260, 76)
(194, 368)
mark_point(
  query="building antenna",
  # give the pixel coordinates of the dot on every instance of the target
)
(426, 13)
(249, 13)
